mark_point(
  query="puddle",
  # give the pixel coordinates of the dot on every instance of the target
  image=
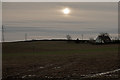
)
(41, 67)
(102, 74)
(57, 67)
(29, 70)
(48, 77)
(26, 76)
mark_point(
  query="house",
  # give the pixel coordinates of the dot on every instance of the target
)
(103, 38)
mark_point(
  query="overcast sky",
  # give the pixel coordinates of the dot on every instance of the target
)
(44, 20)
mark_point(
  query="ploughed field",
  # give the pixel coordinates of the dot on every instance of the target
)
(57, 59)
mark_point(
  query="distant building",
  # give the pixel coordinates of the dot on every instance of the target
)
(103, 38)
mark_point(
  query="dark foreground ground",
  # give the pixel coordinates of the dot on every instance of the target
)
(41, 60)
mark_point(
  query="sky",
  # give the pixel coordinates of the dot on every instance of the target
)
(45, 20)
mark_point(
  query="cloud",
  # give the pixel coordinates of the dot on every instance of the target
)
(47, 18)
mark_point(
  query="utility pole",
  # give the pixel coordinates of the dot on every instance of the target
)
(25, 36)
(82, 36)
(3, 34)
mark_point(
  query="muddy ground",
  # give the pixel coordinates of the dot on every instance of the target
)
(57, 59)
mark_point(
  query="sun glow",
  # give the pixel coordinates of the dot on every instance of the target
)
(66, 11)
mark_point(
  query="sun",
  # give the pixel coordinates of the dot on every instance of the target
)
(66, 11)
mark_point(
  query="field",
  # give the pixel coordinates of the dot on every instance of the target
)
(57, 59)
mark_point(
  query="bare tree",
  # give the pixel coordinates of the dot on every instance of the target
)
(104, 34)
(68, 37)
(91, 40)
(103, 38)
